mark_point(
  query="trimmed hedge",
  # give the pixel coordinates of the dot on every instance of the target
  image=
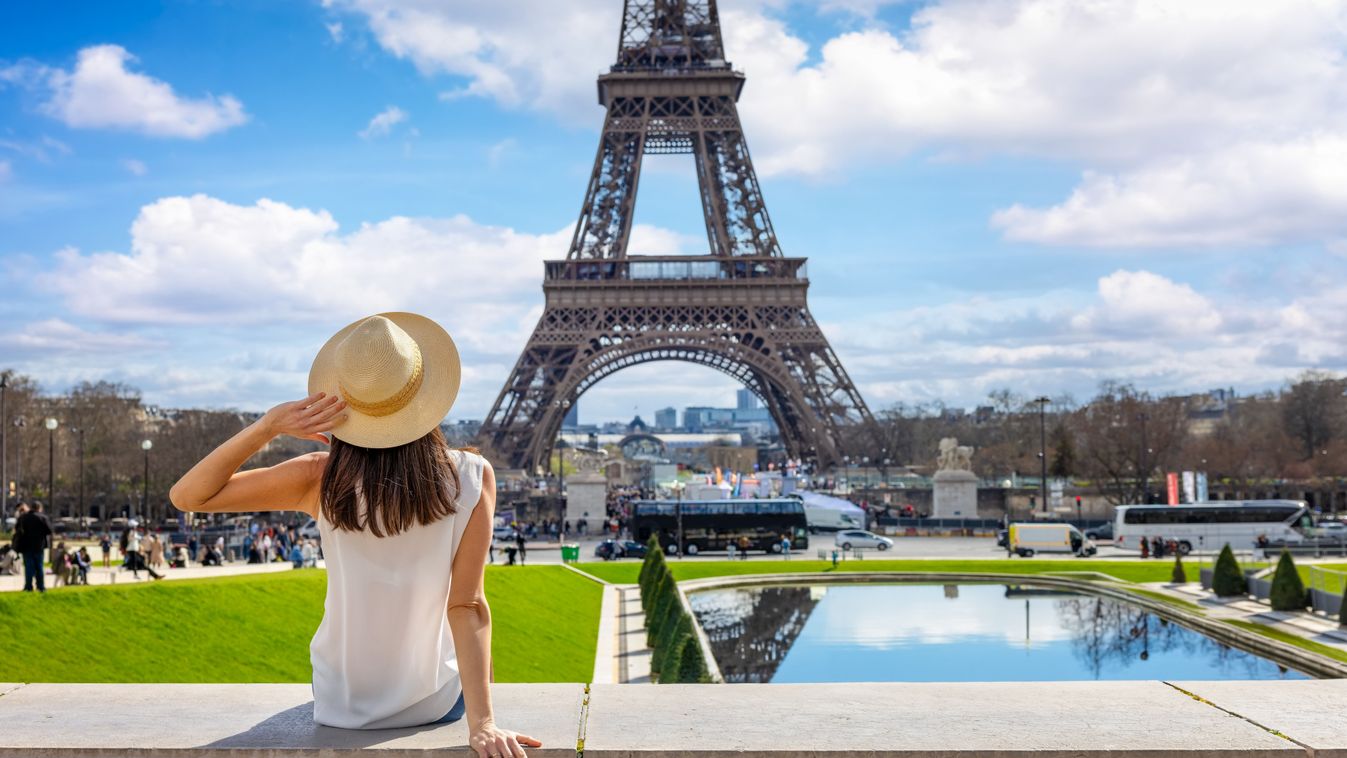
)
(1179, 576)
(1226, 579)
(691, 666)
(667, 651)
(1288, 592)
(1342, 610)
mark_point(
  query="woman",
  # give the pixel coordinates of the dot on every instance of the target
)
(405, 524)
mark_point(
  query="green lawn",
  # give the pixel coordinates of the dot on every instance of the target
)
(1132, 571)
(257, 629)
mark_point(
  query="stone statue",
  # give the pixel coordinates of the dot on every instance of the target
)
(953, 456)
(589, 460)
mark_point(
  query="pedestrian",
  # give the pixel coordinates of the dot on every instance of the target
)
(83, 562)
(1145, 547)
(192, 546)
(32, 533)
(105, 544)
(135, 554)
(491, 549)
(519, 542)
(743, 548)
(785, 546)
(731, 549)
(156, 551)
(297, 556)
(309, 554)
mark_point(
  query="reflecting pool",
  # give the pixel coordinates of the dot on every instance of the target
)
(950, 633)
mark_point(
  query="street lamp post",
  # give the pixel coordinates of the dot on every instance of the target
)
(4, 451)
(678, 515)
(145, 482)
(1144, 463)
(1043, 449)
(20, 423)
(79, 446)
(51, 463)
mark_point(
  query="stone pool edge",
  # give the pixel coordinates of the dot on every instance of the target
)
(1291, 656)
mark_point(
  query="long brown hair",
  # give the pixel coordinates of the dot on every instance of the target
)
(402, 486)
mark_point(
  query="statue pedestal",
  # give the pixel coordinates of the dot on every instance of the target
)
(587, 498)
(955, 494)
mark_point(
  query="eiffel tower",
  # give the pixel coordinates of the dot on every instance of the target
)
(739, 309)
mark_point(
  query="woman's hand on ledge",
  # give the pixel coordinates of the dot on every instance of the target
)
(490, 741)
(306, 419)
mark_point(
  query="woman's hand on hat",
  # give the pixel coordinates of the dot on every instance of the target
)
(307, 419)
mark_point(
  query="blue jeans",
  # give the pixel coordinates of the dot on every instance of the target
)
(33, 568)
(455, 713)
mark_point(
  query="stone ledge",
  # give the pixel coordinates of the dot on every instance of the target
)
(918, 720)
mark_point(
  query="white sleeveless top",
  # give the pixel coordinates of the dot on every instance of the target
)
(383, 656)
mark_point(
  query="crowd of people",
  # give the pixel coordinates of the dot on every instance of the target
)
(36, 550)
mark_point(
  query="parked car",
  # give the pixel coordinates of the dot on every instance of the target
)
(1104, 532)
(1331, 529)
(850, 538)
(310, 530)
(503, 533)
(613, 549)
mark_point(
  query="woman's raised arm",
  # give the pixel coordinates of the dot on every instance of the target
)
(215, 484)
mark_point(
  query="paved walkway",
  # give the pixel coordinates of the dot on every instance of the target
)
(1320, 629)
(117, 575)
(633, 657)
(1146, 719)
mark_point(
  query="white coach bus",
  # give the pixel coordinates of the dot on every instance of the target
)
(1209, 526)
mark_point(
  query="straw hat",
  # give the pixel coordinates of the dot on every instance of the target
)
(397, 372)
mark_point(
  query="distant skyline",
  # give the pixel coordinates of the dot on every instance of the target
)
(1030, 194)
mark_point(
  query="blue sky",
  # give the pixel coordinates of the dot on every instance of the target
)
(1033, 194)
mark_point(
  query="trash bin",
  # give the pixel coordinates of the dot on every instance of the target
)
(570, 553)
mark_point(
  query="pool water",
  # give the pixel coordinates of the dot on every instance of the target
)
(951, 633)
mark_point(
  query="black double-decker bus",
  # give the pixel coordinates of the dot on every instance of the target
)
(714, 524)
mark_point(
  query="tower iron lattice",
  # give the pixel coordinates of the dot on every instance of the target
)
(740, 309)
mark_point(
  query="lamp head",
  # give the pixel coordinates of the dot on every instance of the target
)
(146, 445)
(52, 424)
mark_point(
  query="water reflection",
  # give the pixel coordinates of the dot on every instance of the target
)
(845, 633)
(751, 630)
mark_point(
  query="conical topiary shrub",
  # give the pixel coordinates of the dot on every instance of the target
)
(654, 569)
(664, 658)
(1179, 576)
(691, 665)
(1288, 591)
(657, 607)
(1342, 609)
(1226, 579)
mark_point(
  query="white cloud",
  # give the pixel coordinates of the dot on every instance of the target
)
(1248, 194)
(101, 93)
(135, 167)
(335, 31)
(383, 122)
(6, 171)
(40, 150)
(56, 336)
(1177, 111)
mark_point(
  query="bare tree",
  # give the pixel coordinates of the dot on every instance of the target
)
(1312, 408)
(1126, 437)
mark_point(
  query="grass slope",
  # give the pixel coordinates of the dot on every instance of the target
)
(257, 629)
(1132, 571)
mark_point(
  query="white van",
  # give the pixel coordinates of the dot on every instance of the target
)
(1026, 539)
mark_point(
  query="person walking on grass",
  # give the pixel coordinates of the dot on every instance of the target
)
(405, 521)
(105, 544)
(32, 532)
(519, 544)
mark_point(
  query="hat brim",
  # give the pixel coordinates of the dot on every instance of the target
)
(427, 408)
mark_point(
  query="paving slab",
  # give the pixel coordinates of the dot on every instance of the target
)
(8, 687)
(245, 720)
(1313, 713)
(926, 720)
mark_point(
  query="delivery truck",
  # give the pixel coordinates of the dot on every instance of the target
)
(1025, 540)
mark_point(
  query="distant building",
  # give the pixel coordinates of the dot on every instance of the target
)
(745, 400)
(637, 425)
(666, 419)
(572, 419)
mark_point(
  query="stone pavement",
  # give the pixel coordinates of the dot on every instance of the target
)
(117, 575)
(907, 720)
(1320, 629)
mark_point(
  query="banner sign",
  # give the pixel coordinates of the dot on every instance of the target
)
(1202, 487)
(1172, 487)
(1189, 487)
